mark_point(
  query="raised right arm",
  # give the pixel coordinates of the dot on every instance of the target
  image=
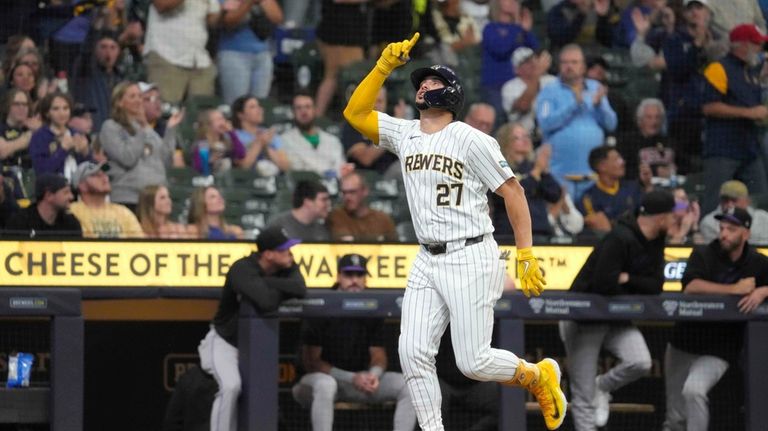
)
(359, 111)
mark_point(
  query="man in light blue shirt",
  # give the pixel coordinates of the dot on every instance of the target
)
(573, 115)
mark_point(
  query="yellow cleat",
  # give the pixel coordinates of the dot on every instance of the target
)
(543, 381)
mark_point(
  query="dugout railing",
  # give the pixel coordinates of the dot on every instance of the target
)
(60, 404)
(259, 339)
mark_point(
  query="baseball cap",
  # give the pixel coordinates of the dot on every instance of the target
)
(275, 238)
(49, 183)
(737, 216)
(146, 86)
(521, 55)
(657, 202)
(747, 33)
(86, 169)
(734, 189)
(704, 2)
(598, 60)
(352, 263)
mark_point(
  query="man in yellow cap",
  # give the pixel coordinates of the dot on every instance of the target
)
(734, 194)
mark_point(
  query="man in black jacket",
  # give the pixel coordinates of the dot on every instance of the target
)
(265, 278)
(49, 216)
(699, 353)
(629, 260)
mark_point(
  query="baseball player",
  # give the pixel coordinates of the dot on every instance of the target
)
(457, 277)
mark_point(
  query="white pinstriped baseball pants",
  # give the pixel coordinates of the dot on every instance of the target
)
(460, 287)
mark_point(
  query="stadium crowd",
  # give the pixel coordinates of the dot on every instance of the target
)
(169, 96)
(191, 119)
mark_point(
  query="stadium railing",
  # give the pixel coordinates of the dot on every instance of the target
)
(259, 337)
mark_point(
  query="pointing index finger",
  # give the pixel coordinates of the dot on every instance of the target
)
(413, 40)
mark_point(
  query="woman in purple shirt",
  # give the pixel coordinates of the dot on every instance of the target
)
(54, 147)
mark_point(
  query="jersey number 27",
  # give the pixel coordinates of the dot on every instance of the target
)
(444, 194)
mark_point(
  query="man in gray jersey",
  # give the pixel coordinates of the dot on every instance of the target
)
(448, 167)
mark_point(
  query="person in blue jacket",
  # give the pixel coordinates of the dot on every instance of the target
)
(573, 114)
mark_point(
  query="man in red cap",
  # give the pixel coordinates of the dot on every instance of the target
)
(732, 105)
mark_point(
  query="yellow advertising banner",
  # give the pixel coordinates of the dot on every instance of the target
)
(205, 264)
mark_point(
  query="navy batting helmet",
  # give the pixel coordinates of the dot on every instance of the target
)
(450, 97)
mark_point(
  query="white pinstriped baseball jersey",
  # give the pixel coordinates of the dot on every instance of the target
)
(447, 175)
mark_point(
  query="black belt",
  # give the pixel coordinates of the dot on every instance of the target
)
(441, 247)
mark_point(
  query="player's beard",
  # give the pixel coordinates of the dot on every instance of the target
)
(729, 246)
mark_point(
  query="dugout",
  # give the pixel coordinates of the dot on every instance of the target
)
(148, 308)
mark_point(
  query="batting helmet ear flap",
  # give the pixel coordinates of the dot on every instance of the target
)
(450, 98)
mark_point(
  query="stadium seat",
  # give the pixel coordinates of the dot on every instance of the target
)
(180, 197)
(330, 126)
(406, 232)
(380, 187)
(234, 194)
(694, 184)
(294, 177)
(187, 176)
(181, 176)
(760, 201)
(193, 106)
(276, 114)
(307, 67)
(283, 200)
(248, 179)
(233, 212)
(28, 182)
(350, 76)
(387, 188)
(256, 212)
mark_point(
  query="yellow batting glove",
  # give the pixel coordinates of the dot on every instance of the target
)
(396, 54)
(531, 278)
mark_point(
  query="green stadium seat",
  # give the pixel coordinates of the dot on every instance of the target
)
(387, 188)
(380, 187)
(250, 180)
(276, 114)
(233, 212)
(406, 232)
(350, 76)
(256, 212)
(28, 182)
(283, 200)
(471, 60)
(294, 177)
(307, 67)
(395, 208)
(193, 106)
(330, 126)
(694, 184)
(180, 198)
(181, 176)
(760, 201)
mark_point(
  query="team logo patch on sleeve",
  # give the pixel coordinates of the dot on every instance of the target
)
(503, 164)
